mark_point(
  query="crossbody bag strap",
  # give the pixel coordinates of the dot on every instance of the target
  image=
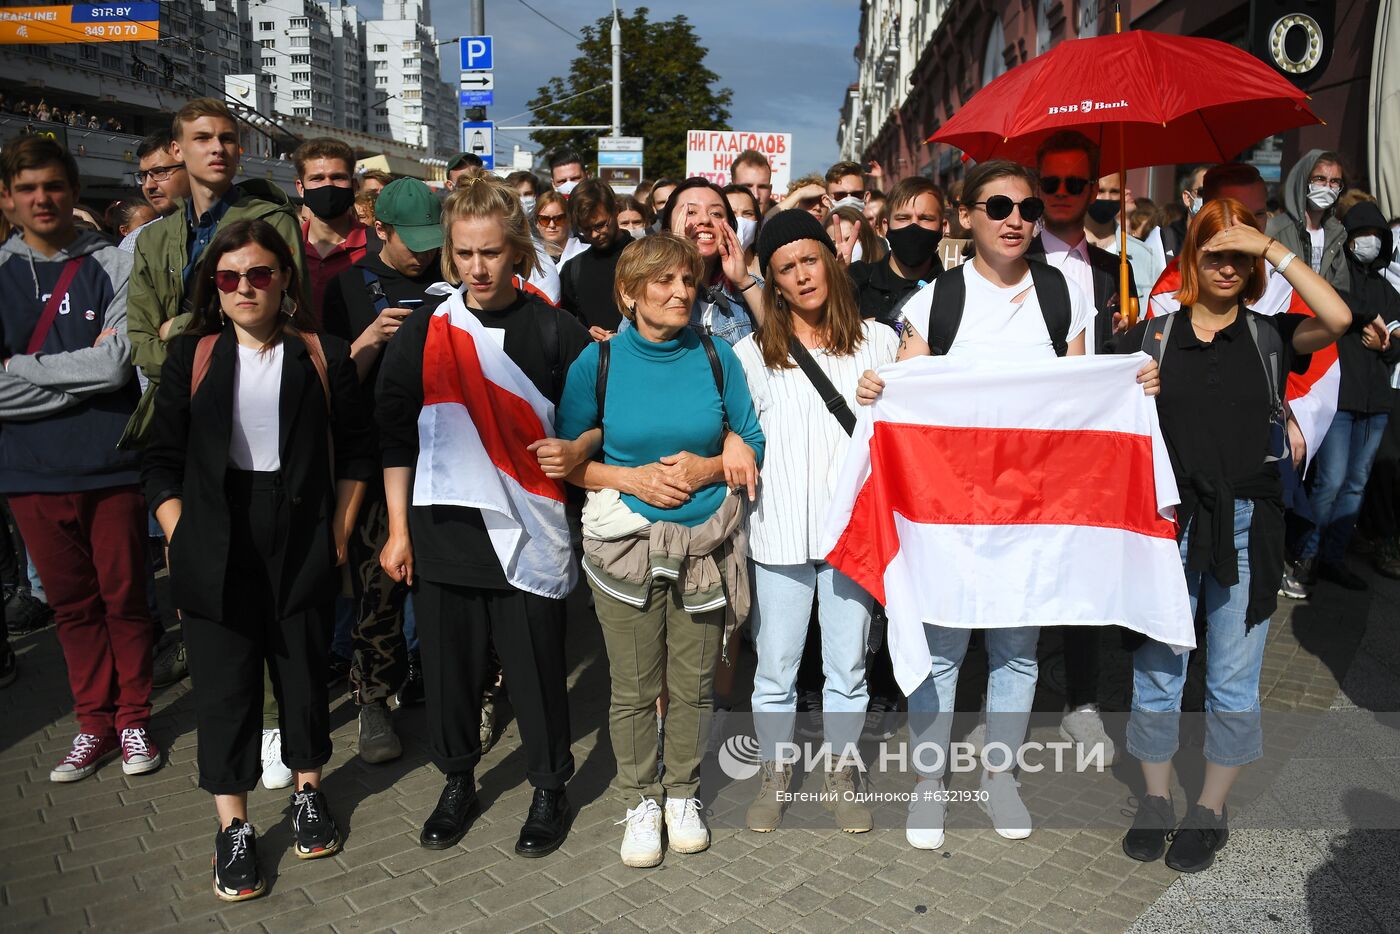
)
(717, 371)
(203, 355)
(835, 404)
(56, 297)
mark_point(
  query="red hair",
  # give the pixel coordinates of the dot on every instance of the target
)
(1210, 221)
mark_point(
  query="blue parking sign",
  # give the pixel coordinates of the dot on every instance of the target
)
(476, 53)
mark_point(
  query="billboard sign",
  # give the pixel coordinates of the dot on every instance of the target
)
(709, 154)
(80, 22)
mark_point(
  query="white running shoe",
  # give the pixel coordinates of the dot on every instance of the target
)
(1084, 727)
(924, 827)
(641, 843)
(685, 826)
(275, 774)
(1003, 805)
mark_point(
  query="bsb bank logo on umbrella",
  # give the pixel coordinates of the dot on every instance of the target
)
(1086, 106)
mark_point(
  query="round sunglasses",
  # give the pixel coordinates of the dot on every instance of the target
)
(259, 277)
(1074, 185)
(998, 208)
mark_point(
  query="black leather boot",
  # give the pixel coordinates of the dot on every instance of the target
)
(455, 809)
(546, 825)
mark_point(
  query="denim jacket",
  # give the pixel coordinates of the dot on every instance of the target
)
(721, 312)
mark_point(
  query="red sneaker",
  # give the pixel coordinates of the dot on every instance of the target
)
(139, 754)
(87, 754)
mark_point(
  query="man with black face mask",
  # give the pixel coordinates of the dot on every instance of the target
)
(1102, 227)
(914, 212)
(333, 236)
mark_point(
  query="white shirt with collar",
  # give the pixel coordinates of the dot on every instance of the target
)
(1073, 261)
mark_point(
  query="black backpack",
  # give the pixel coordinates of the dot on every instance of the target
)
(946, 313)
(605, 355)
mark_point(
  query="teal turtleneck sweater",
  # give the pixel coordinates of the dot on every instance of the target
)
(661, 400)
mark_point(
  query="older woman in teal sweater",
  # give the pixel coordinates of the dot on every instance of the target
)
(664, 540)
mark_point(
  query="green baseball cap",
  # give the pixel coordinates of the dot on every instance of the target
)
(469, 159)
(411, 208)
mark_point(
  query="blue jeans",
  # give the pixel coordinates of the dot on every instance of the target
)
(410, 624)
(1011, 676)
(782, 610)
(1233, 658)
(1343, 464)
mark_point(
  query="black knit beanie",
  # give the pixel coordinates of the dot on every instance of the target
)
(788, 227)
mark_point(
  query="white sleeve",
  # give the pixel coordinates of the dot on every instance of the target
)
(917, 309)
(755, 373)
(545, 277)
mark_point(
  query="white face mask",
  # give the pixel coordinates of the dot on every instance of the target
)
(1321, 197)
(1366, 249)
(849, 201)
(637, 232)
(528, 203)
(566, 188)
(748, 229)
(1196, 202)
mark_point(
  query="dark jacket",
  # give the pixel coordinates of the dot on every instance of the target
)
(879, 290)
(1106, 298)
(1365, 385)
(187, 457)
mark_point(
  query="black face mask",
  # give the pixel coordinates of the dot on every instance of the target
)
(1102, 210)
(329, 201)
(912, 245)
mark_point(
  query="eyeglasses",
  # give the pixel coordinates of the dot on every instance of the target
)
(1074, 185)
(158, 174)
(550, 220)
(259, 277)
(598, 228)
(1333, 183)
(998, 208)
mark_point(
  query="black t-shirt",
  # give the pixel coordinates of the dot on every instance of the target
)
(879, 289)
(1214, 407)
(450, 543)
(586, 285)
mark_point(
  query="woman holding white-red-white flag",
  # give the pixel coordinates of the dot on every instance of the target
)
(476, 528)
(998, 307)
(1224, 368)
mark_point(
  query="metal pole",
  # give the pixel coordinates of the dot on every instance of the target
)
(478, 17)
(616, 73)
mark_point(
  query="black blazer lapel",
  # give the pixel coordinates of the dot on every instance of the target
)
(296, 363)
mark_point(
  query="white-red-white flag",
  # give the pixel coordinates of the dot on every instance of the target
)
(988, 496)
(1312, 395)
(480, 413)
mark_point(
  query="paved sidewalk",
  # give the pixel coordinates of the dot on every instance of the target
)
(116, 853)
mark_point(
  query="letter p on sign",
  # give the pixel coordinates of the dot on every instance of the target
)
(476, 53)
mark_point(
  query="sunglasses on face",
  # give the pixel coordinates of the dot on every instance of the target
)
(550, 220)
(998, 208)
(259, 277)
(1074, 186)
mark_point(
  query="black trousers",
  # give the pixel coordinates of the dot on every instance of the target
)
(1081, 647)
(227, 657)
(456, 626)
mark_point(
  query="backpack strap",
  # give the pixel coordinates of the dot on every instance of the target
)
(600, 384)
(717, 371)
(549, 335)
(1269, 343)
(946, 311)
(312, 340)
(1154, 338)
(1052, 292)
(56, 298)
(203, 354)
(376, 291)
(835, 404)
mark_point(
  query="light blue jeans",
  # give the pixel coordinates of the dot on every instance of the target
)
(1233, 734)
(1012, 669)
(782, 611)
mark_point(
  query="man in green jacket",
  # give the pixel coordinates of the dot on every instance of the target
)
(168, 252)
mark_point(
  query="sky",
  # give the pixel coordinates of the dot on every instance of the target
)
(794, 81)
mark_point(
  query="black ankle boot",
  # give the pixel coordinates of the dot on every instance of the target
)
(546, 825)
(455, 808)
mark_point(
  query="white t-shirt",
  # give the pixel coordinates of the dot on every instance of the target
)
(1318, 238)
(805, 444)
(995, 327)
(254, 443)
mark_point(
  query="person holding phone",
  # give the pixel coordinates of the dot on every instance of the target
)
(365, 305)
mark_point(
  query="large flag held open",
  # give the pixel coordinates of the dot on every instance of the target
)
(480, 413)
(986, 496)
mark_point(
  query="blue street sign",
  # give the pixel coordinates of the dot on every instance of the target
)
(476, 53)
(476, 98)
(480, 138)
(619, 158)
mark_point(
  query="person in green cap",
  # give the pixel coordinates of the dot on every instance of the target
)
(459, 165)
(365, 305)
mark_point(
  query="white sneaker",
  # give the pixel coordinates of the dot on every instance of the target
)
(1084, 727)
(977, 738)
(641, 843)
(924, 827)
(275, 773)
(1003, 805)
(685, 826)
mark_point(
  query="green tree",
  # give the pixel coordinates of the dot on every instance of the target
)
(666, 90)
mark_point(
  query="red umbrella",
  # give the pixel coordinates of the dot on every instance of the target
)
(1176, 99)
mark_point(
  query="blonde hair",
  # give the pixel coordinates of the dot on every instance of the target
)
(649, 258)
(487, 197)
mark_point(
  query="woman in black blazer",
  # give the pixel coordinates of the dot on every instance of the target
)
(259, 450)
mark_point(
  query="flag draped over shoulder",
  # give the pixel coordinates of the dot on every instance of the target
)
(1311, 396)
(480, 413)
(988, 496)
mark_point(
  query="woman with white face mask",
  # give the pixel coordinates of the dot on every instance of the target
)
(748, 218)
(1309, 226)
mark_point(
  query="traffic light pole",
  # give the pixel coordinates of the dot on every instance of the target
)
(616, 73)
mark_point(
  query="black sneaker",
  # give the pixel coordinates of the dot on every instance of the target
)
(9, 666)
(412, 691)
(1195, 842)
(24, 612)
(312, 824)
(170, 665)
(1341, 575)
(1291, 586)
(236, 876)
(1305, 569)
(1146, 840)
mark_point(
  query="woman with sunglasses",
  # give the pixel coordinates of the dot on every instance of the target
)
(260, 448)
(1003, 320)
(551, 220)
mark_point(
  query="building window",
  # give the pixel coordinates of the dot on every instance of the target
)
(111, 62)
(265, 26)
(299, 22)
(301, 59)
(269, 61)
(381, 80)
(411, 62)
(300, 42)
(381, 128)
(301, 76)
(381, 47)
(993, 60)
(410, 45)
(269, 43)
(412, 95)
(300, 95)
(302, 111)
(89, 52)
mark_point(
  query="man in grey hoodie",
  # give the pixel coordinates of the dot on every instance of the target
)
(66, 392)
(1308, 225)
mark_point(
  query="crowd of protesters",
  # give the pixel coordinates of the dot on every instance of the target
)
(75, 117)
(217, 379)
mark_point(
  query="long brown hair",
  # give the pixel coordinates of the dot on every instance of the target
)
(208, 317)
(1206, 224)
(842, 333)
